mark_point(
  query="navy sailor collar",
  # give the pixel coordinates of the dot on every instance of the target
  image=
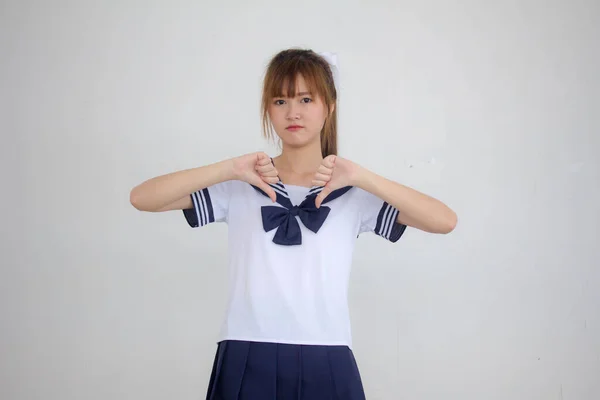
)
(283, 197)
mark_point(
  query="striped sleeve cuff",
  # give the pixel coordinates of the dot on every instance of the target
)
(388, 226)
(202, 213)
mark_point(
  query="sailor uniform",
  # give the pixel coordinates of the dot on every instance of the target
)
(289, 266)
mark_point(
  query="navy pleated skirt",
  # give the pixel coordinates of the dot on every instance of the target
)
(273, 371)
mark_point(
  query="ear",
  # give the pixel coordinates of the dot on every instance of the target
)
(331, 109)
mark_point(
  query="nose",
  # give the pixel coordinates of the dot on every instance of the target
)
(292, 111)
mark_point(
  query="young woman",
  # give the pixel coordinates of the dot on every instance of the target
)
(293, 222)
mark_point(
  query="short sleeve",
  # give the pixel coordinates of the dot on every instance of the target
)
(379, 217)
(209, 205)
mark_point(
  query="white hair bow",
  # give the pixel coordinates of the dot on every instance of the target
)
(331, 58)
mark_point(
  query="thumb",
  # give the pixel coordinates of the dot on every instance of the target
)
(322, 196)
(268, 190)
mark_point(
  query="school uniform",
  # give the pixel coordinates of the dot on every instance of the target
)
(286, 333)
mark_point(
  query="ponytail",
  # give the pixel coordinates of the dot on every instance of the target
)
(329, 135)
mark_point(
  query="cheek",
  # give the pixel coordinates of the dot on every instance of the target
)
(318, 116)
(274, 114)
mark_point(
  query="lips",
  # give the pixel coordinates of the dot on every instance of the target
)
(294, 127)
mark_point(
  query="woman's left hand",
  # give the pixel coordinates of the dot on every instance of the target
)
(334, 173)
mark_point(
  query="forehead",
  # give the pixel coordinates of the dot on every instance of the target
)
(291, 87)
(299, 86)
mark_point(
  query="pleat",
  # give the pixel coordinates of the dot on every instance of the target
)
(287, 371)
(345, 375)
(232, 370)
(277, 369)
(300, 369)
(216, 370)
(316, 376)
(260, 374)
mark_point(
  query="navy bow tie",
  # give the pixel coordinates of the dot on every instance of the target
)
(284, 218)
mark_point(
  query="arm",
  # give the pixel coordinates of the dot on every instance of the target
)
(415, 208)
(172, 191)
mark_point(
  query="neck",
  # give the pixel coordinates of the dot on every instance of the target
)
(301, 160)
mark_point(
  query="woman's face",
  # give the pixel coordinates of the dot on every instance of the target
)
(298, 121)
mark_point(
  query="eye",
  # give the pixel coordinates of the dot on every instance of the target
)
(278, 102)
(306, 100)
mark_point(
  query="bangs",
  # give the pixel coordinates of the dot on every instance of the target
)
(283, 78)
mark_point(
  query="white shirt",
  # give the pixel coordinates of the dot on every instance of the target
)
(296, 293)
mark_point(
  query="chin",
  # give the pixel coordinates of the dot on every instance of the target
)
(293, 139)
(297, 144)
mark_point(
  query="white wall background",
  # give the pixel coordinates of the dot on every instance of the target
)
(491, 106)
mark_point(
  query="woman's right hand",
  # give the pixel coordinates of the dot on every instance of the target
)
(255, 169)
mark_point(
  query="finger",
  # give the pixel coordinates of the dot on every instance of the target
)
(270, 179)
(266, 169)
(322, 177)
(325, 170)
(263, 160)
(270, 174)
(322, 196)
(318, 183)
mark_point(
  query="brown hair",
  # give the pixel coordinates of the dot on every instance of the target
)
(284, 69)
